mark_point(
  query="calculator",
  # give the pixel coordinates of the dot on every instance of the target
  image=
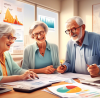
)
(28, 89)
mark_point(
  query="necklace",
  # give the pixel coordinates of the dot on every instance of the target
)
(42, 51)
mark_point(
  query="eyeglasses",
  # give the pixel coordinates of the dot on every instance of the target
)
(10, 38)
(36, 34)
(72, 30)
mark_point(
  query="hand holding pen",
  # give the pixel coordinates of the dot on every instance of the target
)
(62, 68)
(93, 70)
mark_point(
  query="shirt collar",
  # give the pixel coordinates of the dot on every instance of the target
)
(47, 46)
(85, 41)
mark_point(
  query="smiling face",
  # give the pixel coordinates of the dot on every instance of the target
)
(78, 34)
(5, 43)
(39, 34)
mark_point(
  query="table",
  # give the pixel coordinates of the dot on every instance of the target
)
(35, 94)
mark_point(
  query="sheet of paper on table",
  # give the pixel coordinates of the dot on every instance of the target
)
(75, 90)
(53, 78)
(43, 79)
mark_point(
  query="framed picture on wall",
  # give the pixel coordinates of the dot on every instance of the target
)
(96, 18)
(49, 21)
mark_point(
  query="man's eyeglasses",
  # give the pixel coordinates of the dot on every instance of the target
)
(36, 34)
(72, 30)
(10, 38)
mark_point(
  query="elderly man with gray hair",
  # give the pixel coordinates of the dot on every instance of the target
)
(83, 49)
(41, 56)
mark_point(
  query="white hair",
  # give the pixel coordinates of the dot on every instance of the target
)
(38, 23)
(78, 20)
(6, 29)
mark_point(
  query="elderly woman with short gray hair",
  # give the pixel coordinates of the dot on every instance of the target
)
(40, 57)
(9, 70)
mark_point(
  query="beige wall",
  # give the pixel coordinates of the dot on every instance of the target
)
(52, 4)
(68, 9)
(85, 11)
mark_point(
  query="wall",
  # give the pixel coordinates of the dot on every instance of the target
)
(85, 11)
(47, 3)
(68, 9)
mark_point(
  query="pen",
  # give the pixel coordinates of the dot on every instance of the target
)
(62, 65)
(37, 77)
(61, 61)
(32, 78)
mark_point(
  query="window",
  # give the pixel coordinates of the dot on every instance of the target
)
(51, 19)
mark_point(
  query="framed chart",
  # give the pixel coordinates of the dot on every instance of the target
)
(96, 18)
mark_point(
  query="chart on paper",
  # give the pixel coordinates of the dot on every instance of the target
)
(75, 90)
(69, 89)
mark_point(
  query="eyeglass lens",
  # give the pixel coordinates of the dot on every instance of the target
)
(36, 34)
(11, 38)
(72, 30)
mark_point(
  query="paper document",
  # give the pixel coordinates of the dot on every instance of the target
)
(43, 79)
(75, 90)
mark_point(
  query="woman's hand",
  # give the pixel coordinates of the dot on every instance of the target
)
(61, 69)
(48, 69)
(28, 75)
(45, 70)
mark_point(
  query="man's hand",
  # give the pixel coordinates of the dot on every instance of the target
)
(61, 69)
(93, 70)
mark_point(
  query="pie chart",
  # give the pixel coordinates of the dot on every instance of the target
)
(69, 89)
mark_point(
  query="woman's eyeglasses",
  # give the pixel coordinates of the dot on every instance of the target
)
(36, 34)
(10, 38)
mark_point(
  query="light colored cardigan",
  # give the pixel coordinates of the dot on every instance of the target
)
(11, 66)
(29, 56)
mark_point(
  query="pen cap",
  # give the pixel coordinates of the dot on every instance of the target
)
(62, 61)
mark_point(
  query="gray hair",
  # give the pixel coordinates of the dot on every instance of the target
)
(78, 20)
(38, 23)
(6, 29)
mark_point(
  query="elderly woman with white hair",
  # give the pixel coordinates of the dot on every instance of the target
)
(9, 70)
(42, 56)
